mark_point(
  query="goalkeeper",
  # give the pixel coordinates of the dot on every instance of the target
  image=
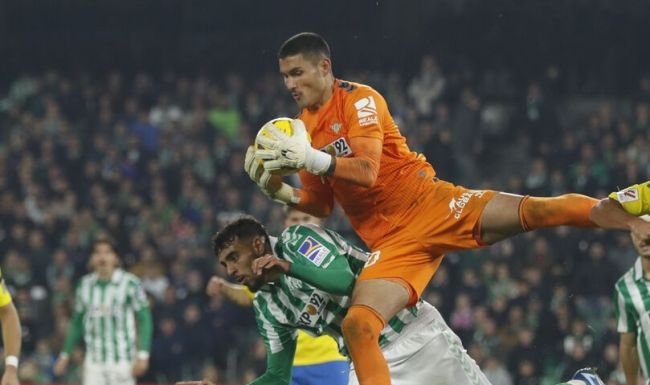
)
(406, 215)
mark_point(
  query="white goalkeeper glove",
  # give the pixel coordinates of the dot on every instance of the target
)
(262, 177)
(292, 151)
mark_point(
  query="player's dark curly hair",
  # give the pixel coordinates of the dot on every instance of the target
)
(245, 227)
(306, 43)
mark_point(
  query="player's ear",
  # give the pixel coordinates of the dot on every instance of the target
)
(258, 245)
(325, 66)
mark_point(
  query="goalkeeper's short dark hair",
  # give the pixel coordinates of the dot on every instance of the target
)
(309, 44)
(245, 227)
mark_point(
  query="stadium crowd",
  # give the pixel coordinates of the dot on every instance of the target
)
(156, 162)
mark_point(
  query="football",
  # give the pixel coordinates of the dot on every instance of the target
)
(284, 125)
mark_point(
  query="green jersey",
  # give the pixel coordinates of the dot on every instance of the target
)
(105, 313)
(632, 296)
(314, 295)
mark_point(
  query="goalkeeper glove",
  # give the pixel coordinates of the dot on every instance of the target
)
(284, 194)
(292, 151)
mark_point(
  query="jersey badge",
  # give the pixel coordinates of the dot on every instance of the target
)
(313, 251)
(336, 127)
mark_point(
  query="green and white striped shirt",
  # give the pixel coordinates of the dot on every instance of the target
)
(108, 309)
(632, 296)
(290, 304)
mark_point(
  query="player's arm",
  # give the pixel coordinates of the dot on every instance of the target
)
(315, 197)
(11, 334)
(322, 266)
(363, 167)
(626, 319)
(75, 330)
(278, 367)
(280, 343)
(238, 294)
(140, 304)
(629, 358)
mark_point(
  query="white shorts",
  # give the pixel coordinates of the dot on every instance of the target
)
(428, 352)
(107, 374)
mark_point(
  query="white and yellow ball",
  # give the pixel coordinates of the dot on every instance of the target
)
(284, 125)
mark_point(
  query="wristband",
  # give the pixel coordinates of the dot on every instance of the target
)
(11, 361)
(143, 355)
(317, 162)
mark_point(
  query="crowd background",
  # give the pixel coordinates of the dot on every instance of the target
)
(137, 128)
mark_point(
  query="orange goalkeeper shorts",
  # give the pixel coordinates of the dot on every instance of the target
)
(445, 218)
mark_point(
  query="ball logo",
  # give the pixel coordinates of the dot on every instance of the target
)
(628, 195)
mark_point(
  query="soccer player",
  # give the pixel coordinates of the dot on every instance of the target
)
(317, 360)
(109, 303)
(406, 215)
(303, 281)
(632, 293)
(10, 335)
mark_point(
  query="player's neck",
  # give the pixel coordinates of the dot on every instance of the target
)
(328, 91)
(645, 265)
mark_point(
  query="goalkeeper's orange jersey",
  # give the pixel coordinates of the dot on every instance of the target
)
(357, 110)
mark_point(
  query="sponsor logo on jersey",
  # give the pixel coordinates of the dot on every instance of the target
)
(366, 111)
(457, 205)
(373, 258)
(312, 310)
(313, 251)
(628, 195)
(339, 147)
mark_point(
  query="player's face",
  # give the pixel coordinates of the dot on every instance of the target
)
(296, 217)
(307, 79)
(103, 259)
(641, 246)
(238, 258)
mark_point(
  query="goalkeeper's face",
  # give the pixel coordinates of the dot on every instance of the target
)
(309, 79)
(238, 259)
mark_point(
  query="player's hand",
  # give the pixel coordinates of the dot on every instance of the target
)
(267, 182)
(60, 366)
(292, 151)
(215, 285)
(10, 376)
(140, 367)
(270, 265)
(202, 382)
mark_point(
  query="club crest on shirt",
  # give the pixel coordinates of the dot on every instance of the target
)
(313, 250)
(336, 127)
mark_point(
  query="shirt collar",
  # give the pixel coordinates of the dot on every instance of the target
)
(638, 270)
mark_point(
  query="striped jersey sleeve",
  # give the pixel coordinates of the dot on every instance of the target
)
(272, 324)
(136, 295)
(626, 317)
